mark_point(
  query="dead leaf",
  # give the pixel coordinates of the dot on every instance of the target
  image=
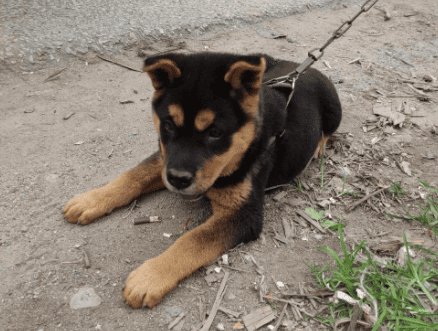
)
(395, 117)
(238, 326)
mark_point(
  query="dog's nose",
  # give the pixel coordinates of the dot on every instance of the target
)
(179, 179)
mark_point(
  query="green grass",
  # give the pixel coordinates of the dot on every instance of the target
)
(299, 187)
(402, 293)
(428, 216)
(322, 171)
(318, 216)
(396, 189)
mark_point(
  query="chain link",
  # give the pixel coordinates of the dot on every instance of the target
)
(290, 79)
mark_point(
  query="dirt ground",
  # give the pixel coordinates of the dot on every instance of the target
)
(93, 122)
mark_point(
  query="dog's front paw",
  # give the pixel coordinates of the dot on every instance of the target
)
(149, 283)
(87, 207)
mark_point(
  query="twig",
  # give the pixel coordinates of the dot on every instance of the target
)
(280, 300)
(277, 325)
(309, 295)
(176, 321)
(353, 321)
(297, 313)
(236, 269)
(186, 223)
(312, 301)
(216, 304)
(71, 262)
(354, 205)
(86, 260)
(277, 186)
(54, 74)
(346, 320)
(311, 221)
(119, 64)
(131, 209)
(144, 220)
(252, 258)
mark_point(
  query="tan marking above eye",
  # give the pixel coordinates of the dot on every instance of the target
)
(204, 119)
(177, 114)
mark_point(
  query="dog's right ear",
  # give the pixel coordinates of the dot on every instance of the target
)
(162, 72)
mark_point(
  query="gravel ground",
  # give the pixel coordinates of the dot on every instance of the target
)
(38, 33)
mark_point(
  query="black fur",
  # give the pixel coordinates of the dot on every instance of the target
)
(314, 108)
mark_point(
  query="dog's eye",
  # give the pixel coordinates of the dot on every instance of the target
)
(215, 133)
(168, 126)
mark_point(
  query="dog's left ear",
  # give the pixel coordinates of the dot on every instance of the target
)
(246, 75)
(162, 72)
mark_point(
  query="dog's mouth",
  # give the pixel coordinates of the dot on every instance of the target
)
(189, 193)
(186, 193)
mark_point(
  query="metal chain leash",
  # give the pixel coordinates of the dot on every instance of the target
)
(290, 79)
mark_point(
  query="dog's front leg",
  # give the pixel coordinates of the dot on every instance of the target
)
(144, 178)
(236, 218)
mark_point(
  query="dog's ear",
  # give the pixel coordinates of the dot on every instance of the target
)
(246, 75)
(162, 72)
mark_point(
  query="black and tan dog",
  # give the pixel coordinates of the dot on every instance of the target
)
(223, 134)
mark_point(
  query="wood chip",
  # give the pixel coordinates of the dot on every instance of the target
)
(258, 318)
(288, 232)
(279, 196)
(213, 277)
(230, 312)
(395, 117)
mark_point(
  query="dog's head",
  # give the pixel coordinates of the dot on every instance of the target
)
(206, 111)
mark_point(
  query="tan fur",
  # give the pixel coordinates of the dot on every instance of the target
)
(87, 207)
(234, 74)
(232, 197)
(177, 114)
(204, 119)
(319, 148)
(156, 122)
(156, 277)
(227, 162)
(157, 94)
(164, 64)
